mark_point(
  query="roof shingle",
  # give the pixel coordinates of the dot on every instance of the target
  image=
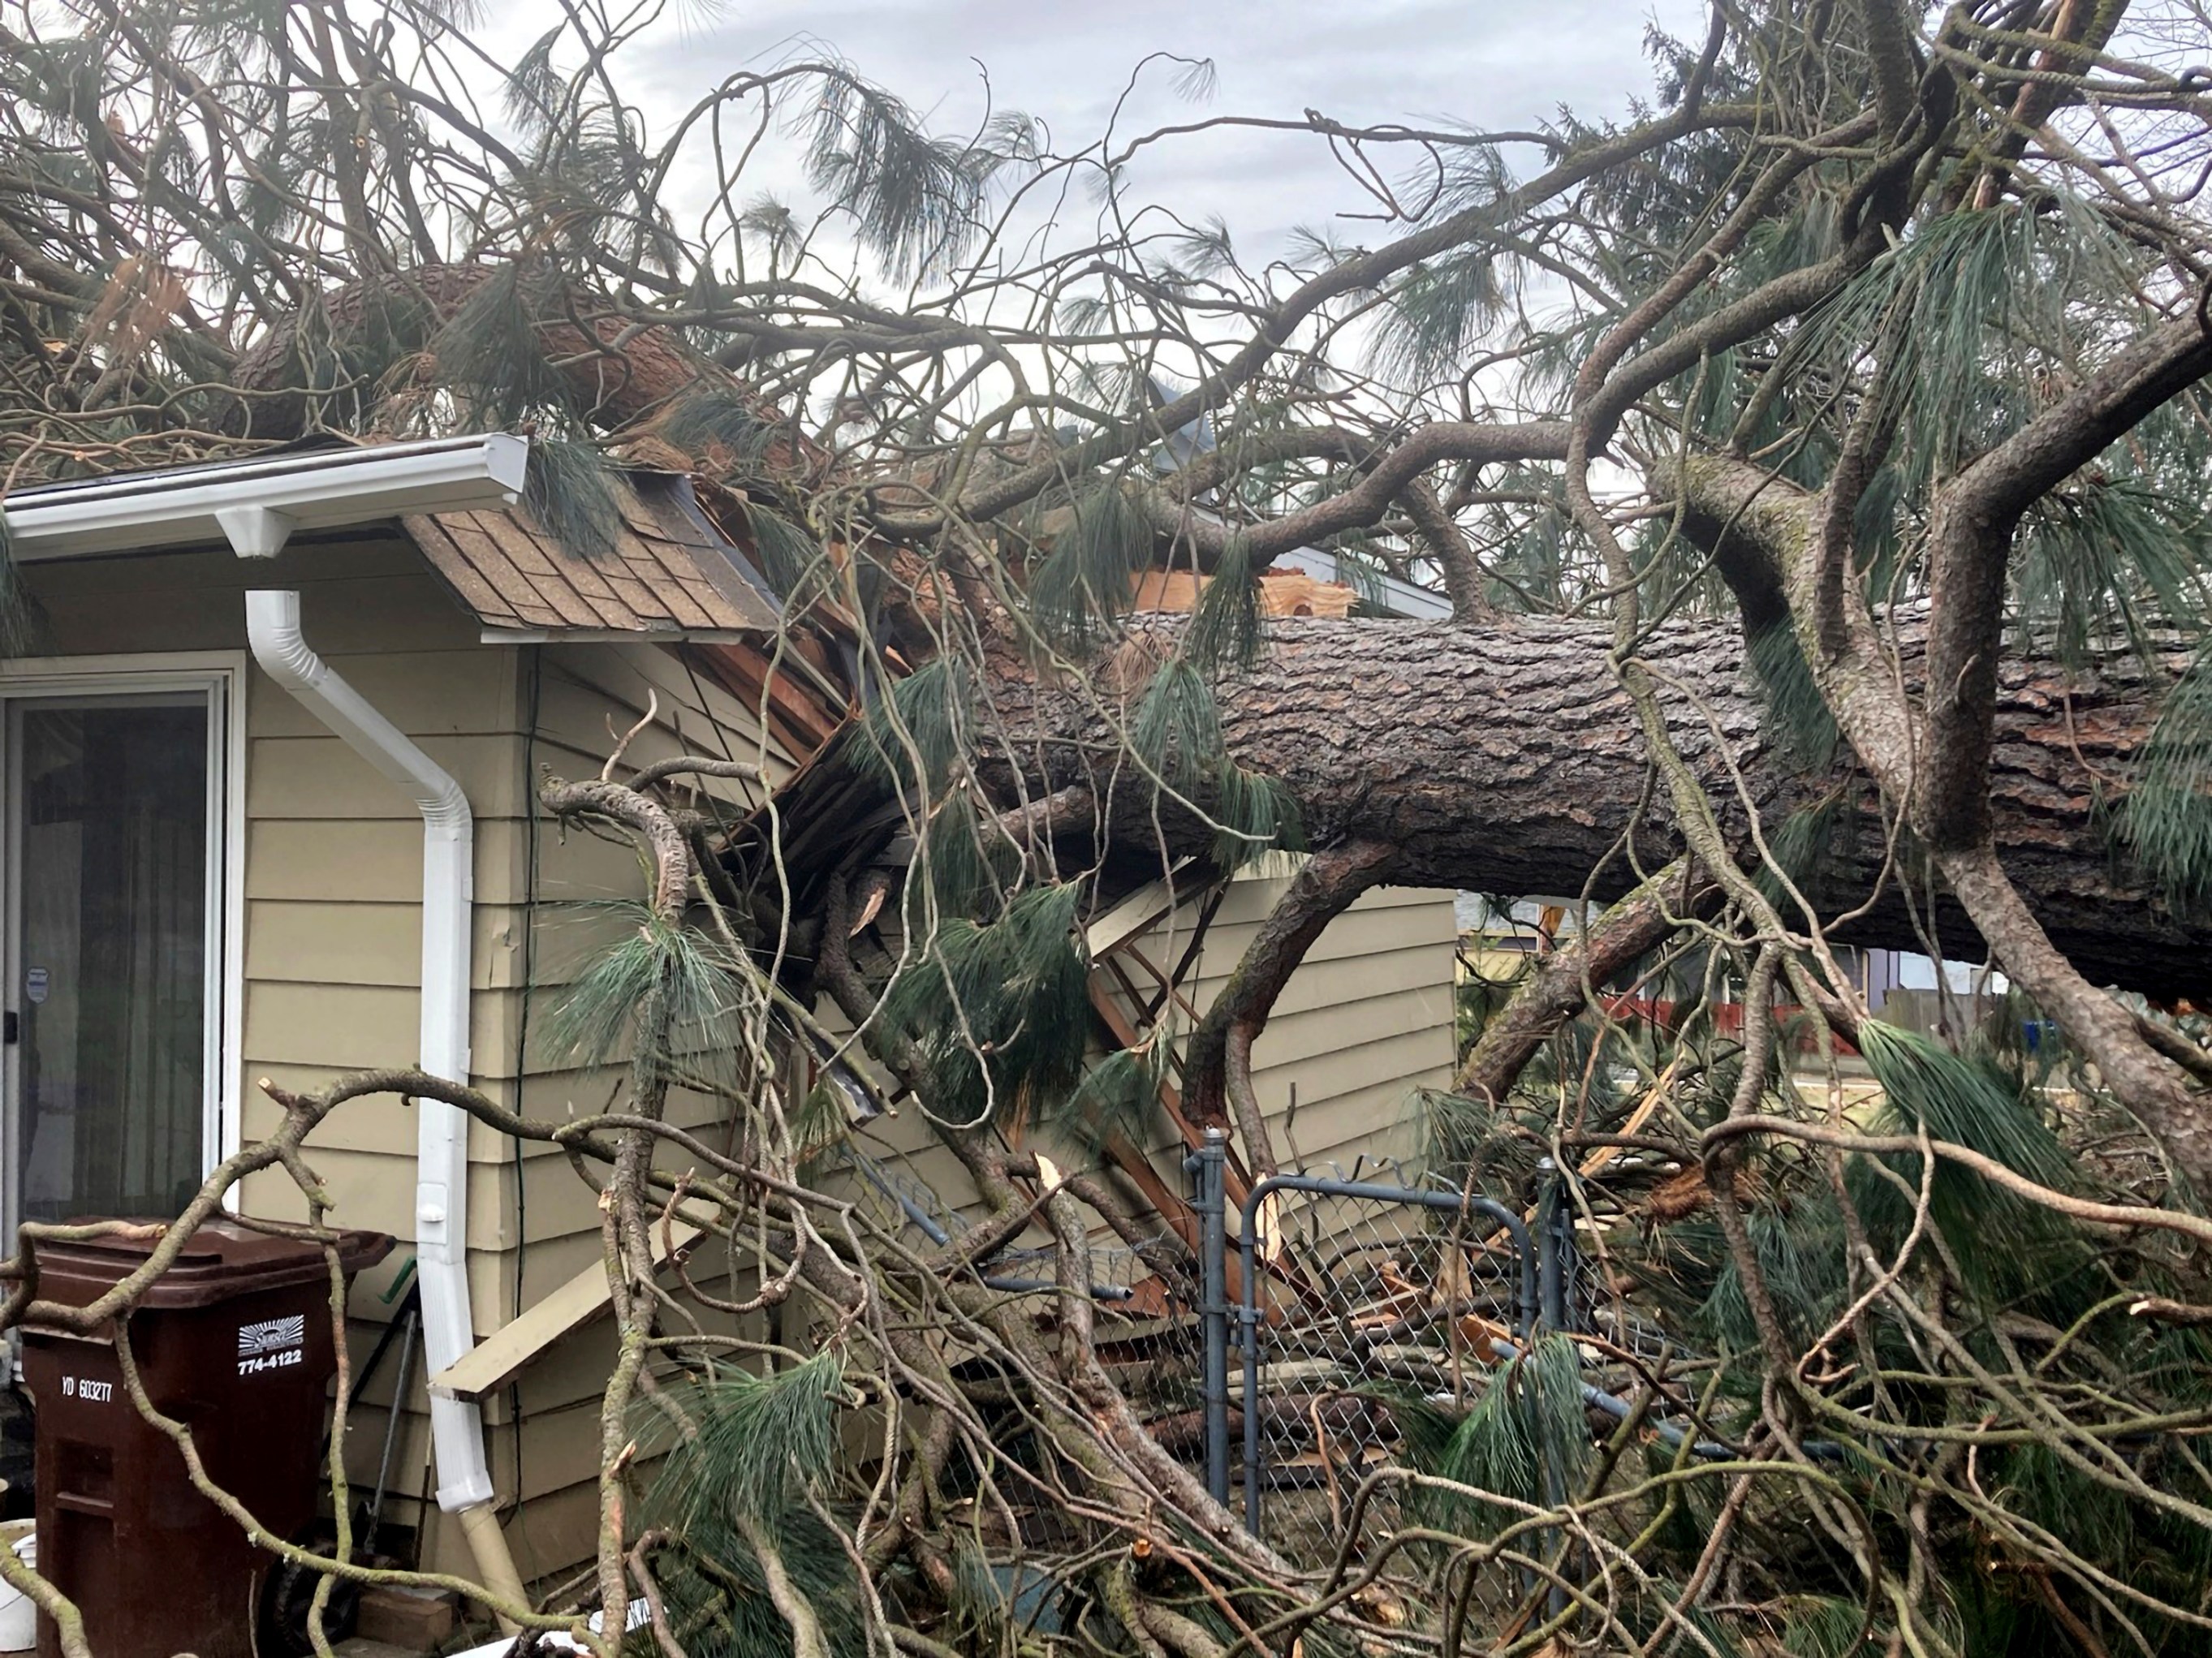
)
(670, 575)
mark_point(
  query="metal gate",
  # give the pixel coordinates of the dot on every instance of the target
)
(1343, 1288)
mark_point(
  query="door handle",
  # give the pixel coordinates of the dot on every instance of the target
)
(11, 1027)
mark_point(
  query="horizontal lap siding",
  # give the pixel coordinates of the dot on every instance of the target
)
(1366, 1024)
(585, 696)
(333, 890)
(333, 934)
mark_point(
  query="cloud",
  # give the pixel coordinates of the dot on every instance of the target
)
(1420, 62)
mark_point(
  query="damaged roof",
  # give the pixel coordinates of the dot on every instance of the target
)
(670, 574)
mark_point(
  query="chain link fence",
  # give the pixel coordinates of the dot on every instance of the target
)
(1320, 1303)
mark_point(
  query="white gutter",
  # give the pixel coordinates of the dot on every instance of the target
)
(272, 627)
(256, 504)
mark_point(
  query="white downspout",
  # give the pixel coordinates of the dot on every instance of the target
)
(464, 1486)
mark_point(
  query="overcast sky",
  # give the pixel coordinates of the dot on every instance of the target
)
(1421, 62)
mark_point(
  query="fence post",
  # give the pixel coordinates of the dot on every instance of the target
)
(1209, 1165)
(1555, 1244)
(1555, 1250)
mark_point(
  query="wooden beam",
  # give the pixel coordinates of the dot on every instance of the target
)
(495, 1361)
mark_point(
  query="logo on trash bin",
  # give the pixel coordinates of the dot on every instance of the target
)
(272, 1344)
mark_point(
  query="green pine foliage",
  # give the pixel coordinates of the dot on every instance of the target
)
(967, 866)
(790, 559)
(1178, 728)
(914, 201)
(491, 352)
(1823, 1626)
(1527, 1440)
(1118, 1098)
(2005, 1244)
(1085, 578)
(721, 421)
(1225, 632)
(762, 1444)
(2112, 558)
(916, 738)
(2167, 817)
(1798, 718)
(1178, 723)
(999, 1010)
(575, 497)
(696, 985)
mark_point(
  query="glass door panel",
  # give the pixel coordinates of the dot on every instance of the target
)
(110, 817)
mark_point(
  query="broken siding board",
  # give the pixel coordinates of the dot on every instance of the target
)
(370, 1026)
(494, 1361)
(372, 943)
(803, 719)
(620, 682)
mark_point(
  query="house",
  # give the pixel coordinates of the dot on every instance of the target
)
(268, 782)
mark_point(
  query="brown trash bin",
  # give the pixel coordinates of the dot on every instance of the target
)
(234, 1341)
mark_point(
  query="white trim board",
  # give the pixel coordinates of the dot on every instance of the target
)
(222, 675)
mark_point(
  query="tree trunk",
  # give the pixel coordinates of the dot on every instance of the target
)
(1503, 758)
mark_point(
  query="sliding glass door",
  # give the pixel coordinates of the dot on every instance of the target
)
(114, 830)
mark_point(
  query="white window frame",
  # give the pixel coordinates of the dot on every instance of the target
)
(220, 676)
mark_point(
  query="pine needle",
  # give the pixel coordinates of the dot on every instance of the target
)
(999, 1010)
(2167, 815)
(1085, 578)
(572, 492)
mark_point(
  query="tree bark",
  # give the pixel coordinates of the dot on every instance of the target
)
(1504, 758)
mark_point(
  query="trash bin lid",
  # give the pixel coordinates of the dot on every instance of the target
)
(220, 1261)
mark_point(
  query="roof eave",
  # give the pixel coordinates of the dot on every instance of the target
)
(237, 502)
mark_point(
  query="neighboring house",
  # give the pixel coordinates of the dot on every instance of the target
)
(211, 882)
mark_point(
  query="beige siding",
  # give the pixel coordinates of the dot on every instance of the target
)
(585, 695)
(333, 880)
